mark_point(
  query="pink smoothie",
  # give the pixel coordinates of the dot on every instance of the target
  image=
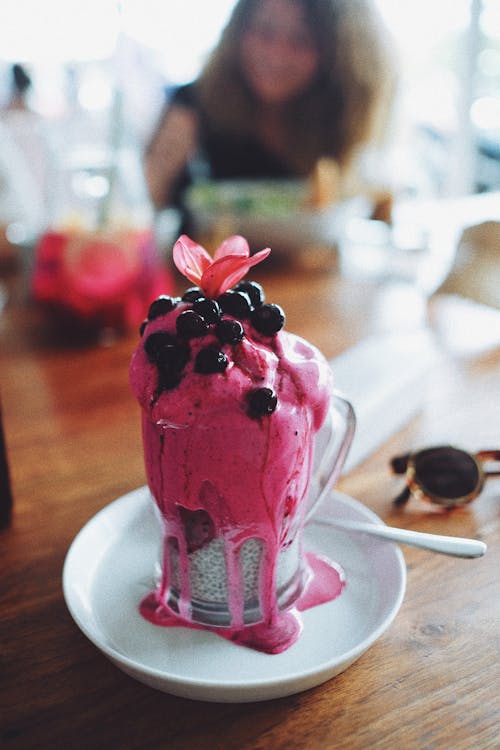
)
(231, 482)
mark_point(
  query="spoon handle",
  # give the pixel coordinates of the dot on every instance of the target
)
(446, 545)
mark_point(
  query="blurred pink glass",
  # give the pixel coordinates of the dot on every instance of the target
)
(103, 278)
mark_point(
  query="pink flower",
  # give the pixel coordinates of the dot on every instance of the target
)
(215, 276)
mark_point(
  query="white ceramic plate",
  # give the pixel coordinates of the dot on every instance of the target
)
(109, 568)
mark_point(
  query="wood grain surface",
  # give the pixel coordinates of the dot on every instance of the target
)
(431, 682)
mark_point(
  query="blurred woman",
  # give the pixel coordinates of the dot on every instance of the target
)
(291, 82)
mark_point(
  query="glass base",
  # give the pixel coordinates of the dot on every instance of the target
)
(212, 599)
(218, 614)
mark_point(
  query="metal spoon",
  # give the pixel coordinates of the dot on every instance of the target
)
(446, 545)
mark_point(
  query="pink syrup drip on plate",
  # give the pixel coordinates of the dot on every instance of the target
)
(281, 629)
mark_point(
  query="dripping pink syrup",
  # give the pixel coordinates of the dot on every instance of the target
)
(282, 629)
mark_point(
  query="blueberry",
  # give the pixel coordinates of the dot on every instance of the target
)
(237, 304)
(208, 309)
(254, 291)
(169, 356)
(210, 360)
(171, 364)
(161, 306)
(191, 325)
(192, 294)
(156, 342)
(169, 379)
(229, 331)
(268, 319)
(173, 357)
(262, 402)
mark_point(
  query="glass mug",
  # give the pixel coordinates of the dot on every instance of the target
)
(217, 580)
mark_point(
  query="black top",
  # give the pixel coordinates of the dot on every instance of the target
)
(223, 155)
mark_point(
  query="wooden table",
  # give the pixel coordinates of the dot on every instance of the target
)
(431, 681)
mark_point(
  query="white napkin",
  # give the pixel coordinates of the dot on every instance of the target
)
(384, 377)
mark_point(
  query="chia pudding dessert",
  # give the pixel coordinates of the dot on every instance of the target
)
(230, 406)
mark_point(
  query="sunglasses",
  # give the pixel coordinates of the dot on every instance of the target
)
(445, 475)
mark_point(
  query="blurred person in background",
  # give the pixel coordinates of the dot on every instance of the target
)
(291, 85)
(23, 169)
(19, 90)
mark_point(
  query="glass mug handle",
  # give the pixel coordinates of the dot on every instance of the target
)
(331, 446)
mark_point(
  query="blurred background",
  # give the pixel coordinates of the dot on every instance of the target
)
(78, 54)
(101, 71)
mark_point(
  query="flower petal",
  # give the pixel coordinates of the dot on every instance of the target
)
(235, 245)
(258, 257)
(227, 271)
(191, 259)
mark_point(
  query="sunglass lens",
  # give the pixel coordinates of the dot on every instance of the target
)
(446, 472)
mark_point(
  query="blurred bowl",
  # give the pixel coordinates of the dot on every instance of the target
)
(275, 213)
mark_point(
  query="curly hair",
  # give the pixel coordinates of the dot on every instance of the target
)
(342, 107)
